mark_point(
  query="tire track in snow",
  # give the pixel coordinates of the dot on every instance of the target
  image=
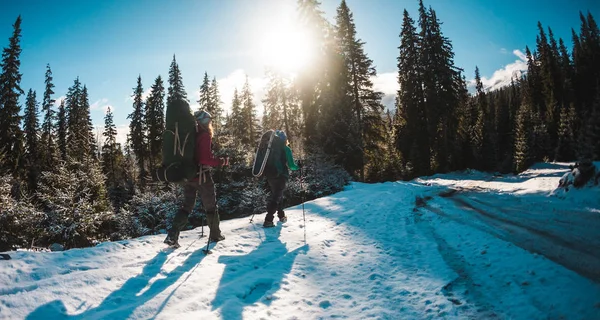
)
(461, 291)
(563, 252)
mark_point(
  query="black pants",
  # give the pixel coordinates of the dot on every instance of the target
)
(208, 196)
(277, 186)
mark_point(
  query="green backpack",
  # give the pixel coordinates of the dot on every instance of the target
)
(179, 141)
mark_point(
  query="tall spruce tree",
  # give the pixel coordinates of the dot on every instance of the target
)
(61, 130)
(248, 124)
(137, 129)
(366, 101)
(77, 126)
(11, 135)
(113, 163)
(48, 145)
(92, 148)
(412, 137)
(32, 145)
(155, 122)
(478, 120)
(176, 89)
(311, 79)
(440, 94)
(236, 120)
(274, 102)
(215, 107)
(205, 99)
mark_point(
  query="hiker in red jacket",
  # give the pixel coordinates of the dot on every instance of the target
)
(203, 184)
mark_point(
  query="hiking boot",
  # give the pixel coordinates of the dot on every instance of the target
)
(172, 240)
(217, 239)
(268, 224)
(283, 219)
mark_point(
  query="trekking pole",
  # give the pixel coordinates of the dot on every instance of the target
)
(202, 226)
(206, 251)
(302, 199)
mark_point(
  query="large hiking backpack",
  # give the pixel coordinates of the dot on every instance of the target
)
(268, 154)
(179, 141)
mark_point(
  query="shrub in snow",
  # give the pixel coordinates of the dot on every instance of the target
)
(148, 212)
(74, 199)
(321, 177)
(19, 220)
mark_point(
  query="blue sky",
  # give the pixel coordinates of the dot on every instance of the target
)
(108, 43)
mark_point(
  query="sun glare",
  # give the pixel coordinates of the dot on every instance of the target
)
(286, 48)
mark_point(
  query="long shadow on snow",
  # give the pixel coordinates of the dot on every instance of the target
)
(256, 276)
(121, 304)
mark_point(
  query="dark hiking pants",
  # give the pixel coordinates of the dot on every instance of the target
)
(206, 189)
(277, 185)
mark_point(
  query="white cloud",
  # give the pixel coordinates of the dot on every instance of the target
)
(502, 77)
(388, 84)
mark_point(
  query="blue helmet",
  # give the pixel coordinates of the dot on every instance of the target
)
(281, 135)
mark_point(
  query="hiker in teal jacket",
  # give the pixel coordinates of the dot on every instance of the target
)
(277, 174)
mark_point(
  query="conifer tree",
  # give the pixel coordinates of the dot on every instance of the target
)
(236, 120)
(365, 100)
(92, 149)
(205, 96)
(412, 137)
(215, 108)
(523, 138)
(32, 146)
(248, 124)
(48, 145)
(112, 163)
(78, 131)
(566, 134)
(155, 122)
(61, 130)
(310, 81)
(176, 89)
(11, 135)
(137, 129)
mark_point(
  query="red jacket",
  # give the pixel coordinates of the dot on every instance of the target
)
(204, 153)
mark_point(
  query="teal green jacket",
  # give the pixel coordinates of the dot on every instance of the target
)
(278, 165)
(290, 159)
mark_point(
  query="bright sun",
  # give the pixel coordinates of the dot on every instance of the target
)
(286, 48)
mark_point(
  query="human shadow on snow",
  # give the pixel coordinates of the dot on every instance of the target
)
(254, 277)
(121, 303)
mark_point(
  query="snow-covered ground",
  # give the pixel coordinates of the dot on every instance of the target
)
(454, 246)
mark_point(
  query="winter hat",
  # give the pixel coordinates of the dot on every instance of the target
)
(202, 116)
(281, 135)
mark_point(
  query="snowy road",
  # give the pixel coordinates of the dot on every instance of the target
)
(497, 248)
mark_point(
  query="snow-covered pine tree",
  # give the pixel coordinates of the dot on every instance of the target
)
(32, 146)
(137, 131)
(155, 122)
(11, 135)
(176, 89)
(48, 146)
(62, 130)
(412, 137)
(366, 101)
